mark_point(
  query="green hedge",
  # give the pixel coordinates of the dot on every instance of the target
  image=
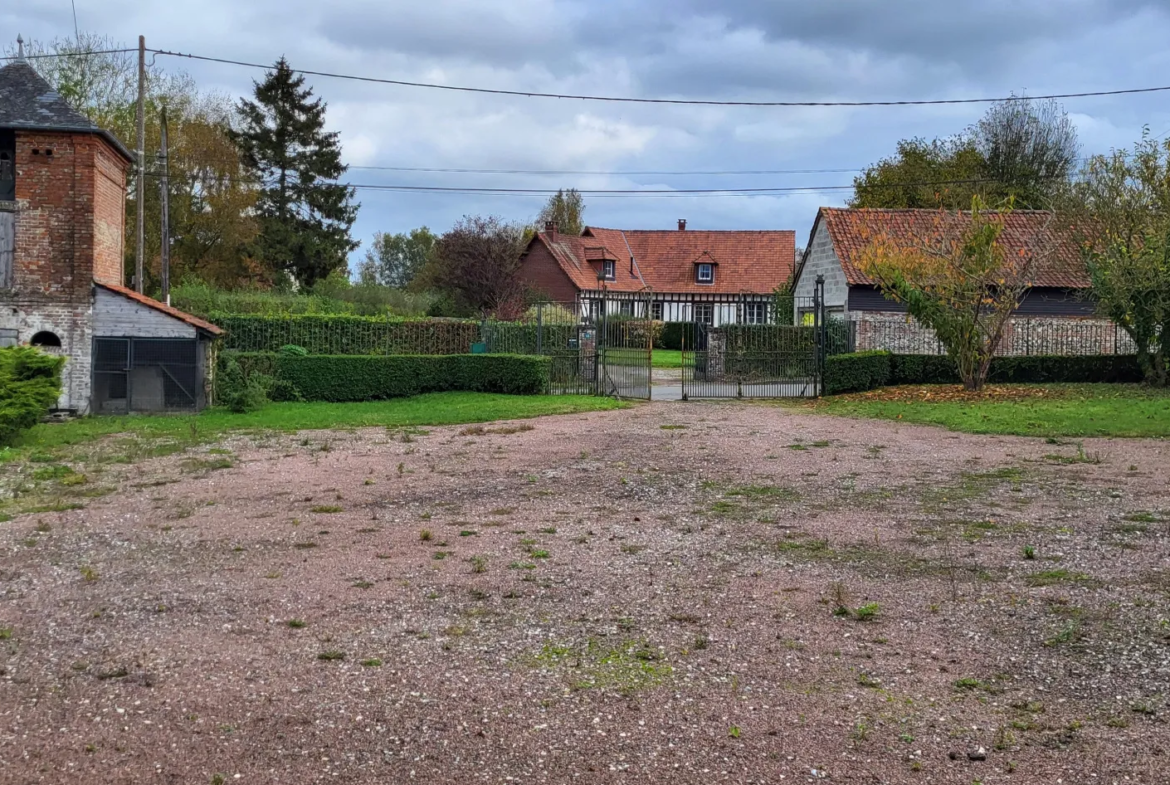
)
(856, 372)
(30, 383)
(344, 334)
(673, 334)
(345, 378)
(1037, 369)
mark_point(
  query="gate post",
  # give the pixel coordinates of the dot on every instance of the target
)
(539, 328)
(820, 328)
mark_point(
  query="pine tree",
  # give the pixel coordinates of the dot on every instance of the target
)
(305, 215)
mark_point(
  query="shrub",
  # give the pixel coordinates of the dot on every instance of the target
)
(341, 378)
(292, 350)
(856, 372)
(673, 334)
(1036, 369)
(30, 383)
(342, 334)
(242, 392)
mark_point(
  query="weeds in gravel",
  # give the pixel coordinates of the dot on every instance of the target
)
(1052, 577)
(867, 612)
(372, 662)
(88, 573)
(296, 624)
(1029, 552)
(627, 666)
(733, 731)
(1080, 457)
(205, 465)
(326, 509)
(968, 683)
(478, 564)
(425, 535)
(331, 656)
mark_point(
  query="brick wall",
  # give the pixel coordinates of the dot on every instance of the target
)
(109, 213)
(542, 273)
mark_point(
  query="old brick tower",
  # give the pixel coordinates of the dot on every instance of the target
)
(62, 215)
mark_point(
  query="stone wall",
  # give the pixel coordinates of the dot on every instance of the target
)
(901, 334)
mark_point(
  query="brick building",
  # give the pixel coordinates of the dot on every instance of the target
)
(709, 277)
(1056, 315)
(62, 216)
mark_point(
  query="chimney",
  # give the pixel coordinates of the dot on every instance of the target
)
(550, 229)
(682, 224)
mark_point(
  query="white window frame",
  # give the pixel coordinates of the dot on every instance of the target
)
(710, 268)
(656, 310)
(708, 309)
(625, 308)
(755, 313)
(609, 269)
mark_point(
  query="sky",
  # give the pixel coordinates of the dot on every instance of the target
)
(726, 50)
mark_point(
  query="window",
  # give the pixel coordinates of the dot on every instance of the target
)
(705, 273)
(755, 313)
(656, 311)
(704, 313)
(609, 269)
(626, 307)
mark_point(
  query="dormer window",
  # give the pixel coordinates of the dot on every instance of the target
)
(609, 269)
(705, 273)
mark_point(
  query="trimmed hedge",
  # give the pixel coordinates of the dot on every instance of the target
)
(1036, 369)
(30, 383)
(672, 335)
(856, 372)
(348, 378)
(343, 334)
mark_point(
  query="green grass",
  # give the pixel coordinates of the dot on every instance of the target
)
(180, 432)
(667, 358)
(1074, 410)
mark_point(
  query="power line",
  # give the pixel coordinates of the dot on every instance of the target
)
(675, 101)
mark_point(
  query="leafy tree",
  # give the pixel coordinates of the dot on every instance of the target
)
(304, 214)
(476, 267)
(1029, 148)
(1020, 150)
(211, 198)
(955, 277)
(395, 259)
(1119, 212)
(566, 209)
(922, 174)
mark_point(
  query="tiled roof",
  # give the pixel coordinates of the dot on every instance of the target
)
(749, 261)
(1028, 230)
(149, 302)
(28, 102)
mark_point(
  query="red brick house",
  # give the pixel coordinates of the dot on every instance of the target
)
(712, 277)
(62, 214)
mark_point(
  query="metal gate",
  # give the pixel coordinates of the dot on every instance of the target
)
(599, 345)
(756, 360)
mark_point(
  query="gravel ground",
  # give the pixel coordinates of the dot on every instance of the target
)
(682, 593)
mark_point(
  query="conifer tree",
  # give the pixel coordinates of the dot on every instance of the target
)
(305, 215)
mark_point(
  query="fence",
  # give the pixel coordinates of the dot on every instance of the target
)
(1022, 336)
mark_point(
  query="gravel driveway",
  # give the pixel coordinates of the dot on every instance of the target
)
(674, 593)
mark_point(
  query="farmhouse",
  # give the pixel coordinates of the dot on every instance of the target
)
(62, 214)
(709, 277)
(1056, 315)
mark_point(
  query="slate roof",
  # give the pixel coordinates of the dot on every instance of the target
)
(1062, 267)
(748, 261)
(28, 102)
(150, 302)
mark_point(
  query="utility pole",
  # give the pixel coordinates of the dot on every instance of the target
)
(140, 190)
(165, 190)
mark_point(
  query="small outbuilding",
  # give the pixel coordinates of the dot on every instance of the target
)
(62, 255)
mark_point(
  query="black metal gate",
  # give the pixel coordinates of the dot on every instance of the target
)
(625, 346)
(146, 375)
(735, 360)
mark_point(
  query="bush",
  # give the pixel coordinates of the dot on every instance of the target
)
(242, 391)
(1036, 369)
(292, 350)
(345, 378)
(856, 372)
(339, 334)
(30, 383)
(673, 334)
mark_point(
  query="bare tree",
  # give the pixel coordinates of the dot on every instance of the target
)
(477, 264)
(1030, 149)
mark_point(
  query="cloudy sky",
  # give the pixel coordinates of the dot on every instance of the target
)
(756, 50)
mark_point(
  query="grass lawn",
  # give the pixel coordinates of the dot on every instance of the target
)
(1023, 410)
(178, 432)
(667, 358)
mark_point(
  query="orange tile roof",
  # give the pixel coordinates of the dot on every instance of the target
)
(748, 261)
(149, 302)
(1026, 230)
